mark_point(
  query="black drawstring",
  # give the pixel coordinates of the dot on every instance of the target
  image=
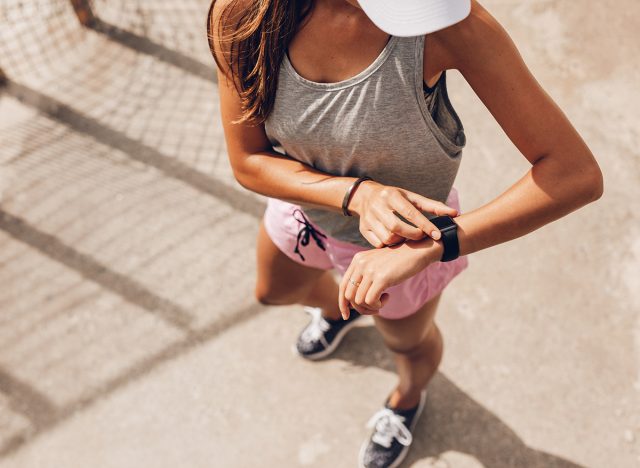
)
(305, 232)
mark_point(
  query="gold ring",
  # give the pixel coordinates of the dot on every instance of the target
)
(354, 283)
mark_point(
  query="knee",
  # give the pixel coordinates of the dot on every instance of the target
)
(271, 296)
(404, 348)
(423, 344)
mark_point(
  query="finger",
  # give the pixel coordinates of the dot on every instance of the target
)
(386, 236)
(362, 310)
(373, 239)
(372, 299)
(418, 218)
(425, 226)
(345, 284)
(343, 303)
(365, 283)
(372, 302)
(432, 206)
(399, 225)
(405, 209)
(351, 288)
(370, 311)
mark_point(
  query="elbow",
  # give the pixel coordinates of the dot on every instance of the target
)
(241, 171)
(242, 178)
(592, 184)
(597, 184)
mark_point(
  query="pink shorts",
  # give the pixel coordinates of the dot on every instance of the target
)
(404, 298)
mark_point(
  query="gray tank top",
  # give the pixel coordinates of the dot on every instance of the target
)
(379, 123)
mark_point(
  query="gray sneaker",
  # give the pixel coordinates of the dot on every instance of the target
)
(322, 336)
(392, 436)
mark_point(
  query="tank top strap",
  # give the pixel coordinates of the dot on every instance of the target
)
(418, 64)
(407, 64)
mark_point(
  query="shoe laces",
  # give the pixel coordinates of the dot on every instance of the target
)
(388, 426)
(318, 326)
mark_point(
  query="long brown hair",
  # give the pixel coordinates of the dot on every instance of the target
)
(254, 47)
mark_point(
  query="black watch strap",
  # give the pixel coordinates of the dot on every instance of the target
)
(449, 230)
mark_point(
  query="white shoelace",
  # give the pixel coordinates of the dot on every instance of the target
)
(315, 330)
(388, 426)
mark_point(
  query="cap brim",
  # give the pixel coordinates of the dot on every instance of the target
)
(415, 17)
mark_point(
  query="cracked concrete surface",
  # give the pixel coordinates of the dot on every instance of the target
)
(129, 335)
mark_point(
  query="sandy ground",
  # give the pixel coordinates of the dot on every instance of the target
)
(129, 334)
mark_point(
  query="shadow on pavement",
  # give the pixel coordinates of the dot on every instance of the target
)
(172, 167)
(143, 44)
(453, 421)
(44, 415)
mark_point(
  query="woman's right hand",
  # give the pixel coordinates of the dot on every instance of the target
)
(377, 204)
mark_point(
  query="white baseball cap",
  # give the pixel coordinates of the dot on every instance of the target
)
(415, 17)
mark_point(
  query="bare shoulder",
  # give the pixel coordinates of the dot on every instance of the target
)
(225, 18)
(472, 41)
(486, 56)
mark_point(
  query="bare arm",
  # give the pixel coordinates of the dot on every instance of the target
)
(255, 164)
(564, 175)
(259, 168)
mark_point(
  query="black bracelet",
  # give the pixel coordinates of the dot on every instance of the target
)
(347, 196)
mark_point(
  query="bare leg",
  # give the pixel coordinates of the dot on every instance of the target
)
(416, 343)
(282, 281)
(324, 294)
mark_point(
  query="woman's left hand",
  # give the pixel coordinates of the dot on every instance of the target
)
(373, 271)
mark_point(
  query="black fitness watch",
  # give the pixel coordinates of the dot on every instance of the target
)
(449, 231)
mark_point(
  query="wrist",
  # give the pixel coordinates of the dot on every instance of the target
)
(428, 250)
(432, 251)
(361, 193)
(436, 251)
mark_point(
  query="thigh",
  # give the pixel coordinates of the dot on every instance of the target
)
(407, 333)
(278, 276)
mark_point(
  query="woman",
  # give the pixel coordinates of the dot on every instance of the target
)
(358, 150)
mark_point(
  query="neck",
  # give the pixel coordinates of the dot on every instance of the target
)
(349, 4)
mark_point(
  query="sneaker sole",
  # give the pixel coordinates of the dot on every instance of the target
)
(332, 347)
(402, 455)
